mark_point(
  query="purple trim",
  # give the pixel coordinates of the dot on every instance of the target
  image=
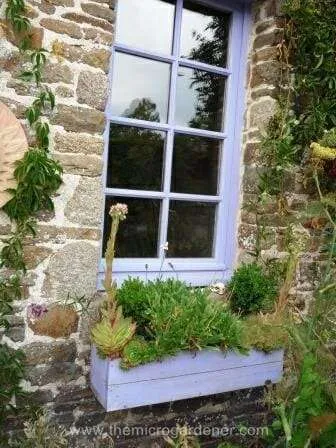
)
(196, 271)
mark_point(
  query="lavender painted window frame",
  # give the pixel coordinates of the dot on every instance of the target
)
(195, 271)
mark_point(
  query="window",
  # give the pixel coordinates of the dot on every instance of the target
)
(173, 139)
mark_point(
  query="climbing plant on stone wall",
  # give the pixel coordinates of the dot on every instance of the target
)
(37, 177)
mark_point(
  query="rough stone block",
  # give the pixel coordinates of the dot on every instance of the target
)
(34, 255)
(98, 36)
(100, 11)
(62, 27)
(47, 352)
(73, 142)
(268, 39)
(57, 72)
(79, 119)
(251, 152)
(85, 206)
(265, 73)
(96, 57)
(81, 18)
(265, 54)
(92, 89)
(16, 329)
(64, 92)
(59, 372)
(43, 5)
(262, 111)
(73, 269)
(88, 165)
(250, 180)
(247, 236)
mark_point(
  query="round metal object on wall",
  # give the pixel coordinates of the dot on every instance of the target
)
(13, 144)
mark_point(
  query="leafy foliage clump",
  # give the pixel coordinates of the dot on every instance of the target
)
(177, 318)
(306, 417)
(133, 296)
(251, 289)
(265, 332)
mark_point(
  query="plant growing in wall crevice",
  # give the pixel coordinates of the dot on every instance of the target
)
(305, 405)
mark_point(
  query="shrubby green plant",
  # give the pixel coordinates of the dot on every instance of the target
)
(251, 289)
(133, 296)
(179, 318)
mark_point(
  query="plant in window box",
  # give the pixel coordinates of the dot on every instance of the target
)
(113, 331)
(184, 344)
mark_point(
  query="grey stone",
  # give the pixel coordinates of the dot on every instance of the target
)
(102, 12)
(56, 351)
(79, 119)
(57, 72)
(16, 329)
(81, 18)
(73, 270)
(262, 111)
(85, 206)
(59, 372)
(92, 89)
(62, 27)
(73, 142)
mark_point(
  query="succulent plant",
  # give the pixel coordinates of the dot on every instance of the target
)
(113, 332)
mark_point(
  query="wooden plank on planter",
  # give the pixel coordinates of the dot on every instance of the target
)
(185, 375)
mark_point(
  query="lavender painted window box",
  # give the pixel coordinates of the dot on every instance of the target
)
(185, 375)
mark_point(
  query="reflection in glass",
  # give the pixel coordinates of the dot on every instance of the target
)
(140, 88)
(146, 24)
(195, 165)
(135, 158)
(205, 34)
(191, 229)
(138, 235)
(200, 99)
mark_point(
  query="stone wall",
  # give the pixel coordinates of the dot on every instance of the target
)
(63, 258)
(263, 78)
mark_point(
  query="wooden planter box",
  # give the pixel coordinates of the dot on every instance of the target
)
(185, 375)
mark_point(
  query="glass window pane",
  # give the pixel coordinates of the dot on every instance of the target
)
(138, 235)
(191, 229)
(140, 88)
(135, 158)
(205, 34)
(195, 165)
(146, 24)
(200, 99)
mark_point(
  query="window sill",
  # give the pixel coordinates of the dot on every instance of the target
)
(200, 272)
(185, 375)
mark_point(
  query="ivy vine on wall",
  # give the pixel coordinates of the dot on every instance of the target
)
(38, 177)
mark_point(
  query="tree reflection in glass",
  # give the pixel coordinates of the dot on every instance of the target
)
(205, 34)
(138, 238)
(191, 229)
(135, 157)
(195, 165)
(135, 80)
(200, 99)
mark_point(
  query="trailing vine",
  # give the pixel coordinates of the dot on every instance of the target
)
(38, 177)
